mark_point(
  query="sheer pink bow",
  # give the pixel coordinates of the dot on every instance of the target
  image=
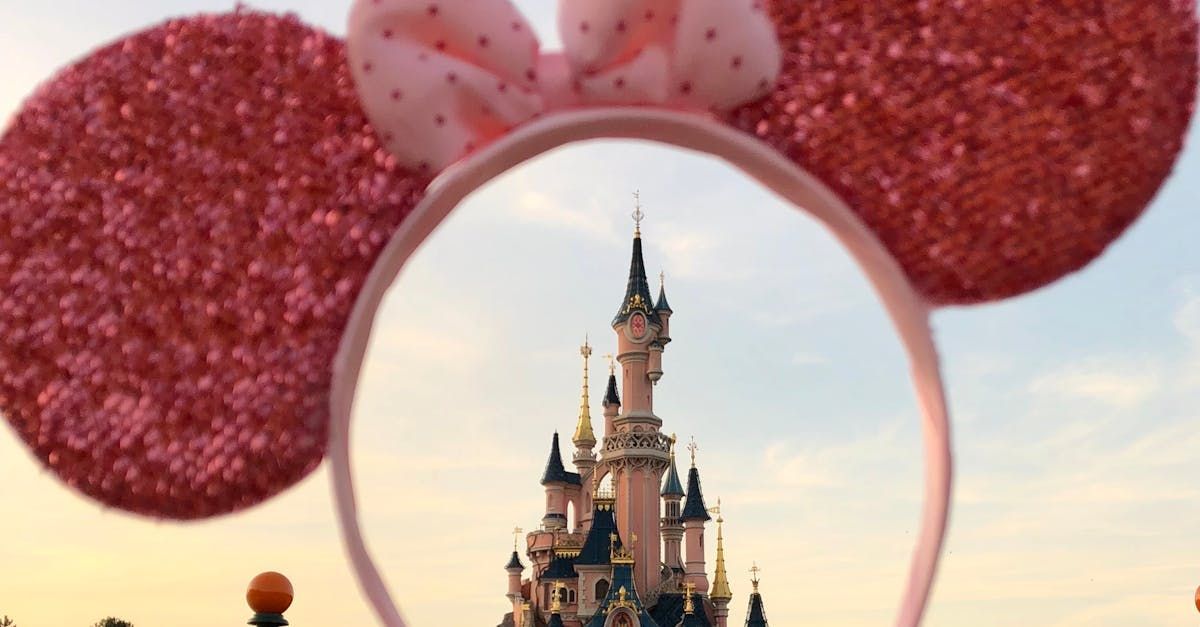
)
(440, 78)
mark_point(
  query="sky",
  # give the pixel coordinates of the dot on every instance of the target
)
(1074, 408)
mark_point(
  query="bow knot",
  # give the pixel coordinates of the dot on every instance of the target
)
(441, 78)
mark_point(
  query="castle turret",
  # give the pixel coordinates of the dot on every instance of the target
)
(672, 522)
(515, 568)
(557, 481)
(756, 616)
(721, 595)
(612, 400)
(664, 311)
(695, 516)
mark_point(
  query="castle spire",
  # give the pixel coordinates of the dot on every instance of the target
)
(637, 292)
(671, 485)
(584, 436)
(555, 472)
(611, 397)
(720, 586)
(755, 615)
(693, 507)
(662, 304)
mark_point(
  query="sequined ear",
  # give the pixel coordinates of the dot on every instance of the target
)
(186, 218)
(992, 146)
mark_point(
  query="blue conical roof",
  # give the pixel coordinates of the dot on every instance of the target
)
(555, 472)
(693, 508)
(755, 616)
(637, 291)
(610, 395)
(662, 304)
(671, 485)
(597, 547)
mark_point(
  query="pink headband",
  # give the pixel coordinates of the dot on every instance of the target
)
(197, 223)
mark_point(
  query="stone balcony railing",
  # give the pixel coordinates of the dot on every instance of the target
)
(635, 441)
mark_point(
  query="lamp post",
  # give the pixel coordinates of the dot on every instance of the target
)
(269, 595)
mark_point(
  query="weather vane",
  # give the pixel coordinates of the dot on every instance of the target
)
(662, 280)
(638, 214)
(517, 531)
(754, 575)
(692, 447)
(612, 363)
(586, 349)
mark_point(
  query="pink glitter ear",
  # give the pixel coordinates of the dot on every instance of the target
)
(992, 146)
(187, 217)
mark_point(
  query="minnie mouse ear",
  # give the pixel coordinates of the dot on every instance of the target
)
(992, 146)
(186, 217)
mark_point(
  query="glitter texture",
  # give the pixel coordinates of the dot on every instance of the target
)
(993, 145)
(186, 218)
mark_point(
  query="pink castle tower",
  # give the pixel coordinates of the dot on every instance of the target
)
(635, 453)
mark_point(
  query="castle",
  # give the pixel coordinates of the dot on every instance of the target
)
(633, 552)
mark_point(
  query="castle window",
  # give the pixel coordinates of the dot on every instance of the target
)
(601, 589)
(570, 595)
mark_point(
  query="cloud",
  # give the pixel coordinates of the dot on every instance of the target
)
(1122, 384)
(1187, 319)
(536, 207)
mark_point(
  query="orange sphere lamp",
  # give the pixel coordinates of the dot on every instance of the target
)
(269, 594)
(1198, 599)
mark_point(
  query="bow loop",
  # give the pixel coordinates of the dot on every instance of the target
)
(439, 79)
(698, 54)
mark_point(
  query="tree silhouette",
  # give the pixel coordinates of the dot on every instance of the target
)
(113, 622)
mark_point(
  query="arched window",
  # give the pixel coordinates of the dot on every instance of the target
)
(601, 589)
(570, 595)
(623, 621)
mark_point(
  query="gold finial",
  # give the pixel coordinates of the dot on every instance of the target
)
(662, 280)
(556, 600)
(754, 576)
(612, 363)
(672, 449)
(585, 437)
(720, 587)
(692, 447)
(638, 214)
(517, 531)
(618, 555)
(689, 589)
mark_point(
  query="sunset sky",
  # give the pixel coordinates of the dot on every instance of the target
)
(1075, 408)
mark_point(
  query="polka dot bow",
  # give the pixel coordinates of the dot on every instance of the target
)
(441, 78)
